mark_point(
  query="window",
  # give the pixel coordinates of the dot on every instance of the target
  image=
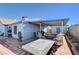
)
(58, 30)
(15, 29)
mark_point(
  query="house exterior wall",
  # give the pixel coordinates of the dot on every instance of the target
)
(6, 31)
(19, 28)
(2, 28)
(54, 29)
(74, 31)
(28, 31)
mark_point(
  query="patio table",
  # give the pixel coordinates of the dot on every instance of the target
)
(39, 47)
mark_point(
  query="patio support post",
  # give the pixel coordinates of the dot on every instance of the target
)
(40, 27)
(40, 30)
(62, 27)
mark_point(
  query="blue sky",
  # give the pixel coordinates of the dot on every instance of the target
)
(44, 11)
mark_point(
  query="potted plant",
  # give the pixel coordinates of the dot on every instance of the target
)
(20, 37)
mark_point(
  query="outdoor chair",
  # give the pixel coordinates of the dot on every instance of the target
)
(35, 35)
(50, 36)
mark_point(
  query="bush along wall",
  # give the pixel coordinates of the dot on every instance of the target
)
(19, 36)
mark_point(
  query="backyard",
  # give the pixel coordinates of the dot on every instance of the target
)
(13, 47)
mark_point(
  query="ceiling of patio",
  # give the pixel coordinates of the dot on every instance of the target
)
(57, 22)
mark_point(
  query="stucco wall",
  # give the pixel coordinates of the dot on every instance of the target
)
(54, 29)
(19, 28)
(74, 31)
(5, 32)
(28, 30)
(2, 28)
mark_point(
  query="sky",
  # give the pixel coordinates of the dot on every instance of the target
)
(46, 11)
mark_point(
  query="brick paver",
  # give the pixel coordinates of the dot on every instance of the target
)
(64, 49)
(11, 47)
(6, 51)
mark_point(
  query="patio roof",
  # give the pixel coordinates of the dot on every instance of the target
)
(57, 22)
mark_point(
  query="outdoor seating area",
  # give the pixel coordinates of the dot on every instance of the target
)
(34, 37)
(39, 46)
(42, 34)
(35, 47)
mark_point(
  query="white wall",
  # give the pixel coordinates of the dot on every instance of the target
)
(2, 28)
(19, 28)
(5, 31)
(54, 29)
(28, 30)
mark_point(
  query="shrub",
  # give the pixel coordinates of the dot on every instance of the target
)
(73, 40)
(2, 34)
(20, 36)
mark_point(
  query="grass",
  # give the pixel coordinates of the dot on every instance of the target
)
(73, 40)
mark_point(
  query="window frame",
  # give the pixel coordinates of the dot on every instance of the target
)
(15, 29)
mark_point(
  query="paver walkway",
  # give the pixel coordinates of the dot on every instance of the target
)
(8, 46)
(6, 51)
(64, 49)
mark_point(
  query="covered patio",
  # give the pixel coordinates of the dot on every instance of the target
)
(33, 47)
(45, 23)
(41, 46)
(46, 26)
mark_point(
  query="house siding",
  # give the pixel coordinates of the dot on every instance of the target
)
(2, 28)
(54, 29)
(19, 28)
(28, 30)
(5, 30)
